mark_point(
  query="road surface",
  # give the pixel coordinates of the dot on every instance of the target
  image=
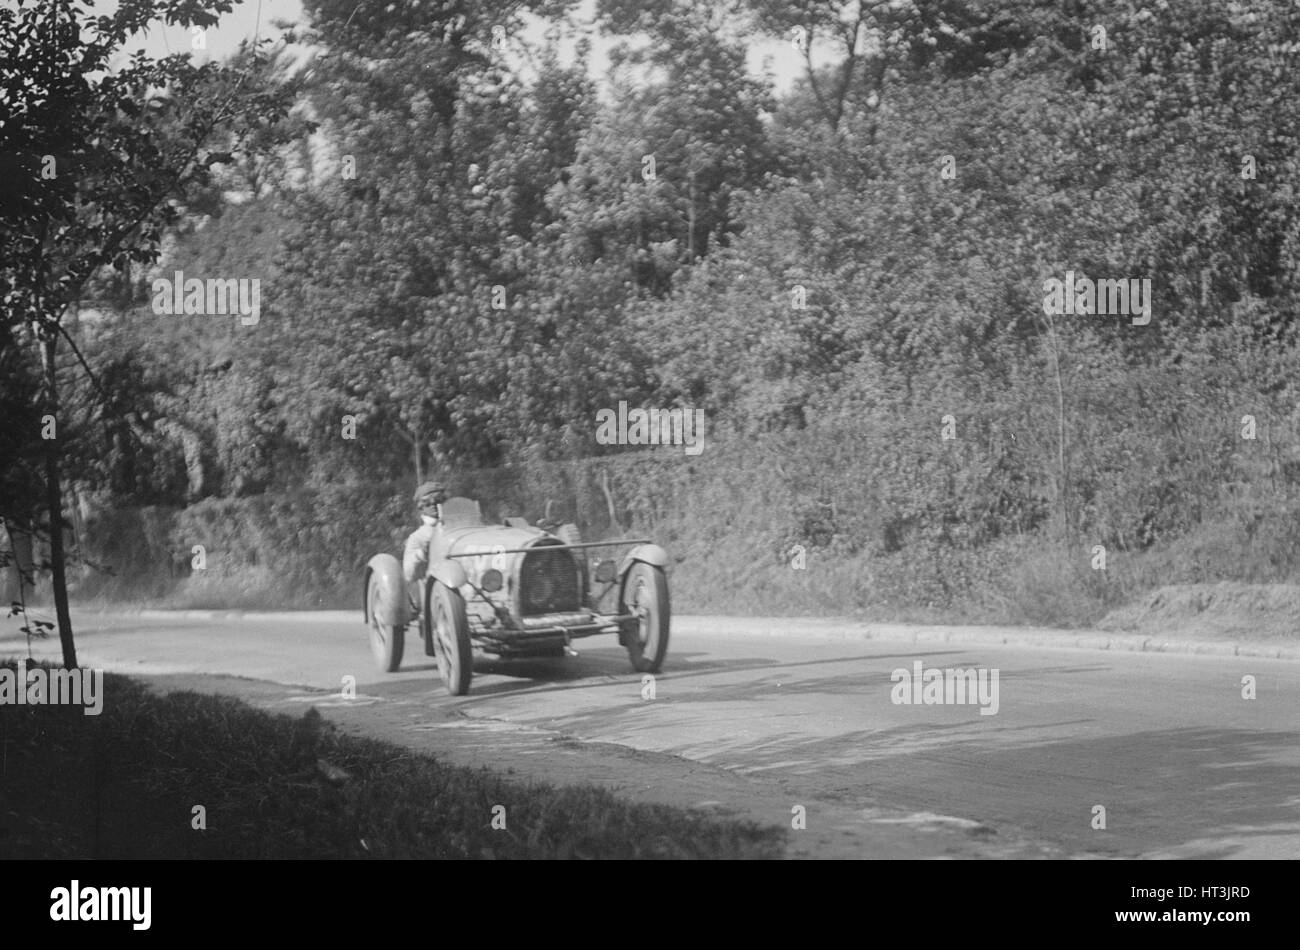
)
(767, 719)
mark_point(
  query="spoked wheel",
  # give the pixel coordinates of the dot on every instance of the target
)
(645, 593)
(451, 638)
(386, 640)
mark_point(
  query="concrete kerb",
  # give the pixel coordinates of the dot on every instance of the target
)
(821, 628)
(256, 616)
(825, 629)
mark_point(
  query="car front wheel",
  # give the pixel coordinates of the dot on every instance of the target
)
(645, 594)
(387, 640)
(450, 623)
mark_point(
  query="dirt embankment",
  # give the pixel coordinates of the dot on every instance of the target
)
(1223, 611)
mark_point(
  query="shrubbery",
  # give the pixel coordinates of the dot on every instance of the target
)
(803, 271)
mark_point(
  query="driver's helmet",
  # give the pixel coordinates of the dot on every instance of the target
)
(429, 496)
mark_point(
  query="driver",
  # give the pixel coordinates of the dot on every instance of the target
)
(415, 558)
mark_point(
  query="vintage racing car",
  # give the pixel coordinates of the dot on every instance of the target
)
(516, 590)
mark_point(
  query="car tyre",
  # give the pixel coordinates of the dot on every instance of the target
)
(387, 641)
(447, 614)
(645, 593)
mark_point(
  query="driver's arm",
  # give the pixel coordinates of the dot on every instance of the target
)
(415, 558)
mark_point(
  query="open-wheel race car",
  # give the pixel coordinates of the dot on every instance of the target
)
(516, 590)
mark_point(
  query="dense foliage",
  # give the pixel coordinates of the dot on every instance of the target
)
(481, 247)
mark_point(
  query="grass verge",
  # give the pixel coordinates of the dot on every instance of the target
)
(126, 783)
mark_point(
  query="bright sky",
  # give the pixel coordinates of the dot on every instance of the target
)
(256, 17)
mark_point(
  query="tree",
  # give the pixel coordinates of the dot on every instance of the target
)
(658, 173)
(103, 158)
(407, 266)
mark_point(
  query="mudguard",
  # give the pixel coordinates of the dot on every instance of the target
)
(448, 573)
(392, 606)
(651, 554)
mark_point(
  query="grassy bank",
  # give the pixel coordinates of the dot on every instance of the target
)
(893, 523)
(124, 784)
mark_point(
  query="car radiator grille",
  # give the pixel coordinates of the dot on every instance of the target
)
(548, 582)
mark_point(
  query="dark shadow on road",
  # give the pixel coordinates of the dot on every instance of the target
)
(612, 664)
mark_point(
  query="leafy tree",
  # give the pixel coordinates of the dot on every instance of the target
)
(406, 266)
(103, 157)
(683, 100)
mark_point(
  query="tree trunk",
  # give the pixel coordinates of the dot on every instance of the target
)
(1063, 471)
(690, 235)
(54, 502)
(609, 501)
(21, 569)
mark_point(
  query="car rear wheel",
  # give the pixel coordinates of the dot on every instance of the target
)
(387, 640)
(645, 593)
(451, 638)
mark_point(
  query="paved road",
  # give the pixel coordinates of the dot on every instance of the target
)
(769, 716)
